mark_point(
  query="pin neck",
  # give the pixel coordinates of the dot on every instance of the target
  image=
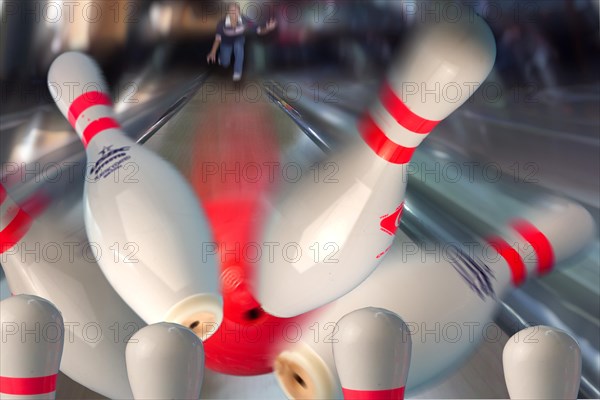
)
(512, 257)
(85, 101)
(394, 104)
(539, 243)
(99, 124)
(385, 148)
(515, 258)
(96, 127)
(406, 129)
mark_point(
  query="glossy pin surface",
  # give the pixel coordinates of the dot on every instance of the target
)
(448, 297)
(138, 209)
(331, 235)
(31, 348)
(532, 221)
(541, 362)
(371, 349)
(75, 284)
(165, 361)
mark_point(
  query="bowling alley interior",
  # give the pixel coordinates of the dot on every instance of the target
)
(300, 199)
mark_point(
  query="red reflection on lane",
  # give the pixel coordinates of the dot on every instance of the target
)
(235, 165)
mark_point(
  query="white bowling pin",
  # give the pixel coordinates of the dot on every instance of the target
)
(371, 349)
(527, 220)
(464, 188)
(521, 215)
(98, 321)
(328, 236)
(165, 361)
(446, 299)
(31, 348)
(541, 362)
(139, 210)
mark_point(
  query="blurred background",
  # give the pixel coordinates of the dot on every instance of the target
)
(536, 119)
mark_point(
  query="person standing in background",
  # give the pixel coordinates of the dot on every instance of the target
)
(231, 38)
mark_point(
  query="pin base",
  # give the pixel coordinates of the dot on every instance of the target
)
(303, 375)
(202, 313)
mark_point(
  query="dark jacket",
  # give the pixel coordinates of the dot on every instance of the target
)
(228, 34)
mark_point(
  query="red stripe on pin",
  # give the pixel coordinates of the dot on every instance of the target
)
(512, 257)
(402, 114)
(97, 126)
(28, 386)
(539, 242)
(86, 101)
(381, 144)
(389, 394)
(15, 230)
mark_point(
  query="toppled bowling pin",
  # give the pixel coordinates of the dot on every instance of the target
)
(446, 295)
(528, 220)
(165, 361)
(371, 350)
(31, 347)
(541, 362)
(332, 235)
(534, 222)
(139, 210)
(99, 322)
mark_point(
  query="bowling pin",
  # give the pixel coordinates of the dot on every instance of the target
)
(445, 294)
(165, 361)
(328, 236)
(31, 348)
(521, 214)
(529, 220)
(371, 350)
(98, 321)
(541, 362)
(512, 215)
(464, 188)
(140, 212)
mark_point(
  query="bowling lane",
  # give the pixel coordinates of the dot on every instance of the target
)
(220, 131)
(230, 144)
(561, 298)
(251, 135)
